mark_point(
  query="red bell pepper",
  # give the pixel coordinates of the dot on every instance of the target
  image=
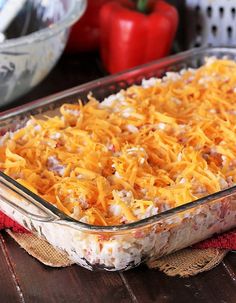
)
(84, 35)
(130, 37)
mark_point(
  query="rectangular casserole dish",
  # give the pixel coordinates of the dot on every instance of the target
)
(124, 246)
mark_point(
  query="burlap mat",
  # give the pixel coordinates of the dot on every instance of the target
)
(189, 262)
(41, 250)
(184, 263)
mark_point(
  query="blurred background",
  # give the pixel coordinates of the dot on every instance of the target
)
(36, 60)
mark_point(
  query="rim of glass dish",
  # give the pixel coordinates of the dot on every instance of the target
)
(62, 218)
(74, 13)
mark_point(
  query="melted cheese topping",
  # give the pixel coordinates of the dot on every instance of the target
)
(139, 152)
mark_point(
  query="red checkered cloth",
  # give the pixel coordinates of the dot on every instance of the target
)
(226, 240)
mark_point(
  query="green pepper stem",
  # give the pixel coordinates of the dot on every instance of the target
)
(142, 6)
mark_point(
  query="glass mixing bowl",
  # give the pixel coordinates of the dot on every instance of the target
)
(35, 41)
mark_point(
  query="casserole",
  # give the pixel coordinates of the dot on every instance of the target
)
(123, 246)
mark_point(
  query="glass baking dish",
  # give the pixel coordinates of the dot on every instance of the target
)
(125, 246)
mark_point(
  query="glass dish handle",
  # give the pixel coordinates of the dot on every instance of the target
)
(47, 217)
(10, 193)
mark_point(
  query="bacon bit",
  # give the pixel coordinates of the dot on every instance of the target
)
(112, 148)
(59, 143)
(139, 234)
(103, 237)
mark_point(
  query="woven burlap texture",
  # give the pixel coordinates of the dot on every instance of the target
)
(189, 262)
(41, 250)
(184, 263)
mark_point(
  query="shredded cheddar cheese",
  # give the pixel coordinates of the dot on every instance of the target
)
(139, 152)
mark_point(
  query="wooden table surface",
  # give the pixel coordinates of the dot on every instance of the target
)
(23, 279)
